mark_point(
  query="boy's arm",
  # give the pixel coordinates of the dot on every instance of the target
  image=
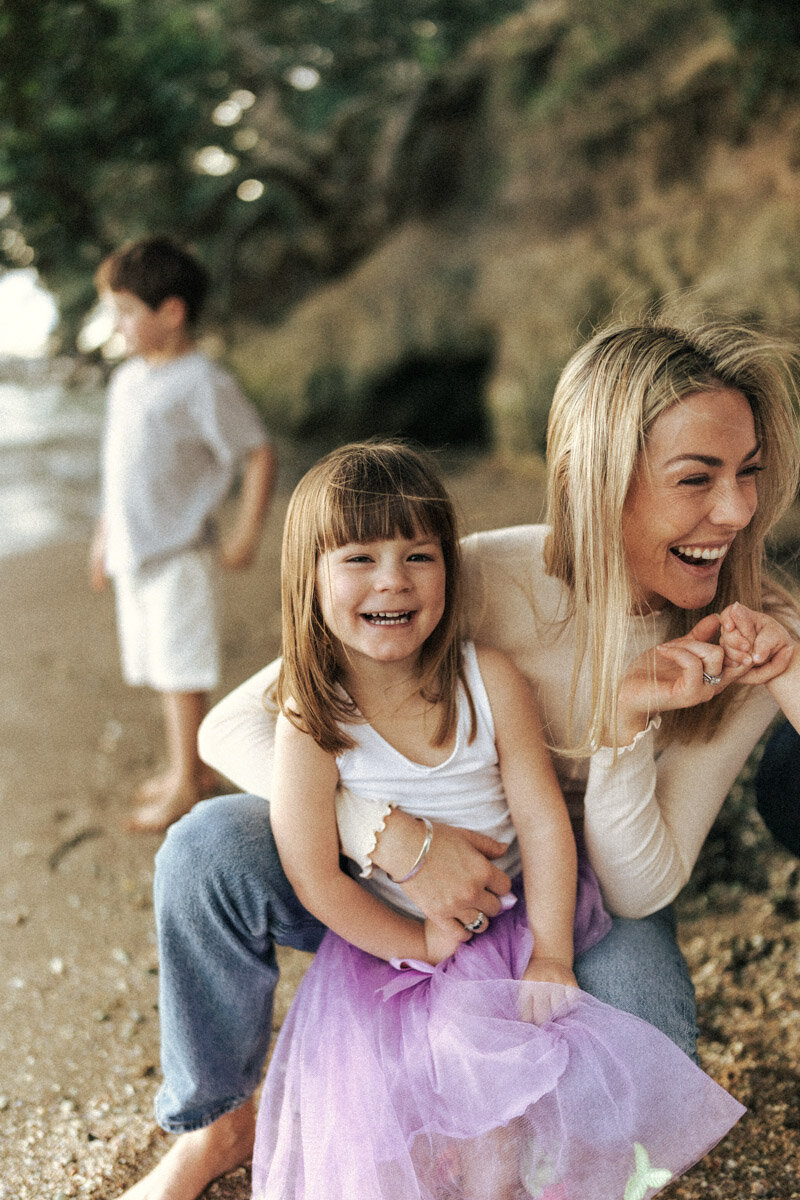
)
(240, 543)
(540, 817)
(303, 817)
(97, 553)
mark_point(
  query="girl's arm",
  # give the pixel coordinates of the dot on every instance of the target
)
(539, 814)
(303, 818)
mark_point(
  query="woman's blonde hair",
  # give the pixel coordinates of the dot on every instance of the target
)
(363, 492)
(605, 403)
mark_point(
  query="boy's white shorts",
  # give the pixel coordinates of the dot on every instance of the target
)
(167, 623)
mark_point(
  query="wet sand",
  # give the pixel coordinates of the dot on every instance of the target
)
(79, 1061)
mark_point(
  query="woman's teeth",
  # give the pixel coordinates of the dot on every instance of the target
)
(388, 618)
(699, 554)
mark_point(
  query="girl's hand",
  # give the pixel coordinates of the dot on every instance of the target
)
(673, 678)
(756, 641)
(441, 944)
(538, 1004)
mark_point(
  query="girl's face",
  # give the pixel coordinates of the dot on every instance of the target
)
(382, 599)
(689, 499)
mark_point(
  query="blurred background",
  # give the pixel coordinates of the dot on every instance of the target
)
(412, 212)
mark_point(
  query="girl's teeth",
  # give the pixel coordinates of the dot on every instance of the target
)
(388, 618)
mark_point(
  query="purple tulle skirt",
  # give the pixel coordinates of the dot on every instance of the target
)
(437, 1084)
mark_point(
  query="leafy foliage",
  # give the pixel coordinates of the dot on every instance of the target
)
(105, 106)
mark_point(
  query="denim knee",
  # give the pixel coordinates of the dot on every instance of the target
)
(777, 786)
(639, 968)
(221, 858)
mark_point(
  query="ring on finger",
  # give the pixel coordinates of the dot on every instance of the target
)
(477, 925)
(714, 680)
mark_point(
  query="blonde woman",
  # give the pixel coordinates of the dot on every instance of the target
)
(671, 453)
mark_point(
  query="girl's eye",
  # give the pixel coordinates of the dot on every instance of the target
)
(753, 469)
(420, 556)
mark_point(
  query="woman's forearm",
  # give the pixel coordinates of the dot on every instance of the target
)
(237, 737)
(646, 816)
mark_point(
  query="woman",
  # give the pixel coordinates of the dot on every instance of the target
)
(670, 455)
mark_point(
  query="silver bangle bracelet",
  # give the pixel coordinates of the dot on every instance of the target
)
(423, 854)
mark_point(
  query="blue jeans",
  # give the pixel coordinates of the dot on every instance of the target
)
(222, 902)
(778, 786)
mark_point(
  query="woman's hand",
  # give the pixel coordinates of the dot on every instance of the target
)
(755, 641)
(458, 879)
(675, 676)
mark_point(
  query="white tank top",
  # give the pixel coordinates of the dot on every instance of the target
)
(465, 790)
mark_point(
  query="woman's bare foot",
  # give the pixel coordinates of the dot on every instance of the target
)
(195, 1159)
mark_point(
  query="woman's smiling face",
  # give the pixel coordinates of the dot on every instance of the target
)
(693, 490)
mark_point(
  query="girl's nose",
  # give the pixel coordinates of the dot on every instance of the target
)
(391, 577)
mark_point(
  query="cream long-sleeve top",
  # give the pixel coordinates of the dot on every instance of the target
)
(645, 812)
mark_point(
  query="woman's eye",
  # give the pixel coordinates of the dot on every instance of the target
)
(753, 469)
(694, 481)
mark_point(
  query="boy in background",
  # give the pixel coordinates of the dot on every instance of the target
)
(178, 431)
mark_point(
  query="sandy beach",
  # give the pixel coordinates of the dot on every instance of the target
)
(79, 1031)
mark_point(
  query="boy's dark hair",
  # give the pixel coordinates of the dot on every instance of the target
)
(154, 269)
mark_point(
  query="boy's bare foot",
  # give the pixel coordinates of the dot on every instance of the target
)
(158, 816)
(170, 781)
(195, 1159)
(166, 798)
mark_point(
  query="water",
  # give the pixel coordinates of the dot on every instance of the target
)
(49, 459)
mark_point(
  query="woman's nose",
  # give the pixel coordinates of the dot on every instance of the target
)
(733, 506)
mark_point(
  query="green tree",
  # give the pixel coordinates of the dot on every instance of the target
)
(207, 120)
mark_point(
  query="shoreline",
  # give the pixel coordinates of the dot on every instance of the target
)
(79, 1030)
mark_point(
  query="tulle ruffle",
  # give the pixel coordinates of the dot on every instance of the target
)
(437, 1084)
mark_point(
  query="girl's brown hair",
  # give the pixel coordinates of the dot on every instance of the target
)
(605, 403)
(362, 492)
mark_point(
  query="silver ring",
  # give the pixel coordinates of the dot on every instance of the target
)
(474, 926)
(712, 679)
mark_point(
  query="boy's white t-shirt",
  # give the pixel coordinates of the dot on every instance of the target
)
(175, 435)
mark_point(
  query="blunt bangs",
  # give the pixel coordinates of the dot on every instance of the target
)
(379, 497)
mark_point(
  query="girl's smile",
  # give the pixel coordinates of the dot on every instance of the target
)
(383, 599)
(693, 491)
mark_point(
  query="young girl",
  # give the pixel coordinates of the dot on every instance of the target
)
(420, 1061)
